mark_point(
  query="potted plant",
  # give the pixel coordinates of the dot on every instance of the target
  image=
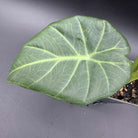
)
(78, 59)
(129, 93)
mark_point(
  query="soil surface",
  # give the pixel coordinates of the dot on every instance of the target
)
(128, 93)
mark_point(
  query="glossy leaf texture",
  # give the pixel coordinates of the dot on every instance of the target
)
(135, 71)
(78, 59)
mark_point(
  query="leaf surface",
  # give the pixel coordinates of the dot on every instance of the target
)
(78, 59)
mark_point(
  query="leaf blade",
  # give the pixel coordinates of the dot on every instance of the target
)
(68, 42)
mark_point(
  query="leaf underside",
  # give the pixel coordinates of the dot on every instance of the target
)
(78, 59)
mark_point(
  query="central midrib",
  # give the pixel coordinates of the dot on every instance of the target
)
(60, 58)
(71, 58)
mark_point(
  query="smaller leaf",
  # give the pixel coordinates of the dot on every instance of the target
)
(135, 65)
(135, 71)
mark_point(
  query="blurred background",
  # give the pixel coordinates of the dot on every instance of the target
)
(24, 113)
(31, 16)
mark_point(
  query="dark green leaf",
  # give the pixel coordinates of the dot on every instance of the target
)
(79, 59)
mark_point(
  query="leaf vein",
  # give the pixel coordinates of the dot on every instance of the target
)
(106, 77)
(62, 59)
(120, 68)
(83, 36)
(70, 78)
(50, 70)
(88, 86)
(66, 40)
(100, 40)
(37, 48)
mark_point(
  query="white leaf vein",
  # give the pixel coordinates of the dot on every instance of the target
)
(83, 36)
(70, 78)
(88, 86)
(101, 38)
(66, 40)
(50, 70)
(64, 59)
(41, 49)
(106, 77)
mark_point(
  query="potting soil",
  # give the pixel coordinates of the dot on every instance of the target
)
(128, 93)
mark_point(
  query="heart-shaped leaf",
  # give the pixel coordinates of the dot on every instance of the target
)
(78, 59)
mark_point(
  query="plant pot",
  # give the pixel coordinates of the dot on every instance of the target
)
(114, 100)
(126, 95)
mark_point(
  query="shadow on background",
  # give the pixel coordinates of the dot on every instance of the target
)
(37, 14)
(127, 10)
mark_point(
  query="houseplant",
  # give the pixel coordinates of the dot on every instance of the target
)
(76, 59)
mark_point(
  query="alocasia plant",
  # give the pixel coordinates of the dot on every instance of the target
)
(78, 59)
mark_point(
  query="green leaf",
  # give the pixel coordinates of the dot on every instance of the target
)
(78, 59)
(134, 71)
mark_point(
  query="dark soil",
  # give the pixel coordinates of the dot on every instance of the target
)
(128, 93)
